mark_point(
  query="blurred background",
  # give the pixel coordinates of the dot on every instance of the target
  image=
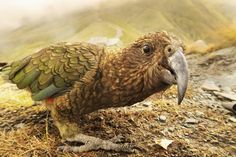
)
(28, 25)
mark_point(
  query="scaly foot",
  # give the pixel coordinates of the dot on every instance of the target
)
(94, 143)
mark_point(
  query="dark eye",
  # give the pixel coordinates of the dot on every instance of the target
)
(147, 49)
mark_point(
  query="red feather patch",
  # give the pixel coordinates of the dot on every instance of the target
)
(49, 100)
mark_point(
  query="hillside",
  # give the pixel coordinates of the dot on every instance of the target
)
(190, 19)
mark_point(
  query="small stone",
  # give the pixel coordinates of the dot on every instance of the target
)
(162, 118)
(20, 125)
(164, 143)
(191, 121)
(226, 89)
(109, 131)
(147, 103)
(185, 125)
(232, 119)
(171, 129)
(210, 86)
(230, 106)
(199, 114)
(198, 46)
(230, 96)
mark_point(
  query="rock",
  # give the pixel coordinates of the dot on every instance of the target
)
(164, 143)
(187, 125)
(230, 96)
(210, 86)
(198, 46)
(191, 121)
(20, 125)
(230, 106)
(232, 119)
(199, 114)
(226, 89)
(109, 131)
(162, 118)
(171, 129)
(147, 103)
(108, 41)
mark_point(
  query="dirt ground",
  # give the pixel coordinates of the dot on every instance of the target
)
(200, 127)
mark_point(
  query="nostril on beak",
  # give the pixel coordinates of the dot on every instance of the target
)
(172, 72)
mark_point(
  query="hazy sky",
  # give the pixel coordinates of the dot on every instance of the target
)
(14, 12)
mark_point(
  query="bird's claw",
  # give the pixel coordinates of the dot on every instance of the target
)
(78, 149)
(93, 143)
(117, 139)
(64, 149)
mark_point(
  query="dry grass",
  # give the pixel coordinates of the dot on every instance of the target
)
(224, 37)
(12, 97)
(138, 125)
(29, 140)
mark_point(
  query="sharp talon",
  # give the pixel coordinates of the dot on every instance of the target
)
(117, 139)
(128, 148)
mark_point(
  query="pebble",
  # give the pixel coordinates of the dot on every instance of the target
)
(230, 96)
(232, 119)
(109, 131)
(210, 86)
(226, 89)
(199, 113)
(162, 118)
(20, 125)
(171, 129)
(191, 121)
(147, 103)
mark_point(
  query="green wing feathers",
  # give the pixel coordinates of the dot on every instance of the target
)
(54, 69)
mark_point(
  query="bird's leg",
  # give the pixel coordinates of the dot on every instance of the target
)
(94, 143)
(69, 131)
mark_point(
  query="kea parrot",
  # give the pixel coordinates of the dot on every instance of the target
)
(74, 79)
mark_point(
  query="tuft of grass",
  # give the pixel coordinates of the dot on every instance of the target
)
(222, 38)
(28, 141)
(13, 98)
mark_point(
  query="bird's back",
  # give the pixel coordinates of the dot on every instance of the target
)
(53, 70)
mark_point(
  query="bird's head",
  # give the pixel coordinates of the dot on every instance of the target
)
(160, 58)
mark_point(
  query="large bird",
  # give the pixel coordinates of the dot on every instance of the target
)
(79, 78)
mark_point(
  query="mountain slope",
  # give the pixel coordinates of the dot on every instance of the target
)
(189, 19)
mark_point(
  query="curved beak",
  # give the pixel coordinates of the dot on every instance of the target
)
(178, 64)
